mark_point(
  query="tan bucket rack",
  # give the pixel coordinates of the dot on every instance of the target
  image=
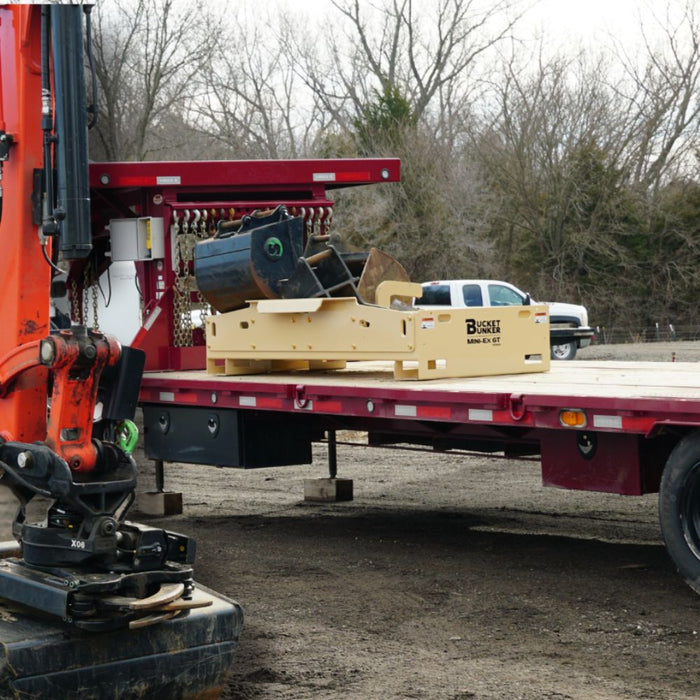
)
(326, 333)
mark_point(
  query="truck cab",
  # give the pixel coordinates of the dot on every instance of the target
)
(569, 329)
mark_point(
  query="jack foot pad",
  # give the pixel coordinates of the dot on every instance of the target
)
(328, 490)
(159, 503)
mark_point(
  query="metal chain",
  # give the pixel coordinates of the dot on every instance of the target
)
(202, 233)
(177, 289)
(75, 303)
(96, 324)
(84, 299)
(327, 220)
(90, 293)
(182, 306)
(188, 227)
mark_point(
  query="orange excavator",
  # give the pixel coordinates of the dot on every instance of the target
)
(67, 400)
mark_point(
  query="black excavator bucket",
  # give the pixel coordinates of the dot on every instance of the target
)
(186, 657)
(267, 256)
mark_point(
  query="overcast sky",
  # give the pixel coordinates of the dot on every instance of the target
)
(588, 20)
(575, 21)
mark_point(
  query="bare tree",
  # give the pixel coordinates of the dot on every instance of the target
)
(665, 96)
(147, 55)
(422, 49)
(398, 78)
(550, 155)
(587, 160)
(253, 102)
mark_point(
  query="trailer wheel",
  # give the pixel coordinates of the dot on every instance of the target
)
(564, 351)
(679, 508)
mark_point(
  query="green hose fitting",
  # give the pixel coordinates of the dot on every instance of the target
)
(127, 435)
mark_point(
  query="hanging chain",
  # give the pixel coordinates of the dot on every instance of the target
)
(327, 221)
(75, 303)
(182, 335)
(90, 294)
(96, 324)
(202, 233)
(80, 299)
(187, 231)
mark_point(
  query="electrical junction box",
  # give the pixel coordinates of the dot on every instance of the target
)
(140, 238)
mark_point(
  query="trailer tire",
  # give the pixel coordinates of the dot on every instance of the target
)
(679, 508)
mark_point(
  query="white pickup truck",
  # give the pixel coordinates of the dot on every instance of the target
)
(568, 323)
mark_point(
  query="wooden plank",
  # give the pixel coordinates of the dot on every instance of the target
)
(579, 378)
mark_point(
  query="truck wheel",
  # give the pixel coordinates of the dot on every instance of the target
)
(565, 351)
(679, 508)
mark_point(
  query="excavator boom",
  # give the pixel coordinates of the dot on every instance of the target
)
(84, 564)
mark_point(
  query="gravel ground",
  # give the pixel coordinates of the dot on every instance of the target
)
(448, 576)
(679, 351)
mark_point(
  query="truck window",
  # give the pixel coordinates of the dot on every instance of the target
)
(472, 295)
(435, 295)
(504, 296)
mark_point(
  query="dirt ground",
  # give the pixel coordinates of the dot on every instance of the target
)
(447, 576)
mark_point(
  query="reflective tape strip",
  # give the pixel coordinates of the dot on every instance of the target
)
(481, 414)
(406, 411)
(607, 422)
(259, 402)
(152, 318)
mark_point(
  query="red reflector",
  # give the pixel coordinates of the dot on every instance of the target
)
(434, 412)
(134, 181)
(330, 406)
(352, 177)
(268, 403)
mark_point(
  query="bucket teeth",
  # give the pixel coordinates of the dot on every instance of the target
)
(152, 619)
(167, 593)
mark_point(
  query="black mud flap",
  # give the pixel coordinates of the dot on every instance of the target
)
(184, 657)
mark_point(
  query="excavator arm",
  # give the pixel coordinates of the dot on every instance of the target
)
(85, 562)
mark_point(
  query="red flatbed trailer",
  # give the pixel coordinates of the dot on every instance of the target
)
(627, 428)
(614, 427)
(628, 408)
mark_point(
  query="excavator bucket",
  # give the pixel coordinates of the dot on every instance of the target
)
(379, 268)
(267, 257)
(188, 656)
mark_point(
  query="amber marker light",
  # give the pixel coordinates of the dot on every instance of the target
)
(572, 418)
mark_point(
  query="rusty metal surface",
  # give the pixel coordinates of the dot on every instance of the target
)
(379, 268)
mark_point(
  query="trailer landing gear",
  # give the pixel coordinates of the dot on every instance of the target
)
(159, 502)
(332, 489)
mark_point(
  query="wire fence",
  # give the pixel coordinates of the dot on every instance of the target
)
(650, 334)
